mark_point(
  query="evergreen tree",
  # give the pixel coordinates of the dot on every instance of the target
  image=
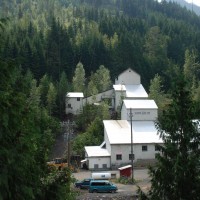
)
(156, 50)
(53, 50)
(51, 99)
(79, 78)
(91, 85)
(196, 99)
(156, 92)
(102, 78)
(191, 66)
(92, 136)
(34, 98)
(44, 86)
(92, 89)
(3, 22)
(26, 139)
(22, 165)
(176, 175)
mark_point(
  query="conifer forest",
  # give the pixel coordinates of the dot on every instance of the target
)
(43, 43)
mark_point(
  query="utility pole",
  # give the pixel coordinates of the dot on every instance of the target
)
(131, 118)
(69, 130)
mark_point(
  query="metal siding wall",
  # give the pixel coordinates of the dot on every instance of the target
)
(125, 150)
(100, 161)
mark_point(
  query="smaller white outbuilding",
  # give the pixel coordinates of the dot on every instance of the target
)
(74, 102)
(98, 157)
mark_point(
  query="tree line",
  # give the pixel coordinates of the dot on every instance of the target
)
(52, 37)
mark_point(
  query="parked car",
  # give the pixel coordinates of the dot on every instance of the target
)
(84, 184)
(102, 186)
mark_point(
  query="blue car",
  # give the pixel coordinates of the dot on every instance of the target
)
(102, 186)
(84, 184)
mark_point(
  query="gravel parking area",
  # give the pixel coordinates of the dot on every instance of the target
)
(126, 192)
(107, 196)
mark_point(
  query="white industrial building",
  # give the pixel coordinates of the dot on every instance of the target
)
(115, 151)
(127, 86)
(137, 109)
(130, 98)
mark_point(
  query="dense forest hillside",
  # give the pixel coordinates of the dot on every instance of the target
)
(53, 36)
(190, 6)
(51, 47)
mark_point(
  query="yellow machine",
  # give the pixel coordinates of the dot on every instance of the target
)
(58, 163)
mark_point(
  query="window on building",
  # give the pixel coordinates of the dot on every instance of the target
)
(78, 99)
(144, 148)
(69, 105)
(104, 166)
(131, 155)
(96, 166)
(119, 157)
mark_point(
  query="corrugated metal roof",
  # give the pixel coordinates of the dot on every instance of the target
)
(132, 90)
(75, 94)
(140, 104)
(96, 151)
(125, 167)
(119, 132)
(136, 91)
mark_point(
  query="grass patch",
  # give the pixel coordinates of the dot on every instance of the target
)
(125, 180)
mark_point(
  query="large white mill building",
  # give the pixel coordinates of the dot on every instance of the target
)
(115, 150)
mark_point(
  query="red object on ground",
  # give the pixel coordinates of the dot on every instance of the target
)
(125, 171)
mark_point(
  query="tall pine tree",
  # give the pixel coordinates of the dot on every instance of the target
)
(176, 175)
